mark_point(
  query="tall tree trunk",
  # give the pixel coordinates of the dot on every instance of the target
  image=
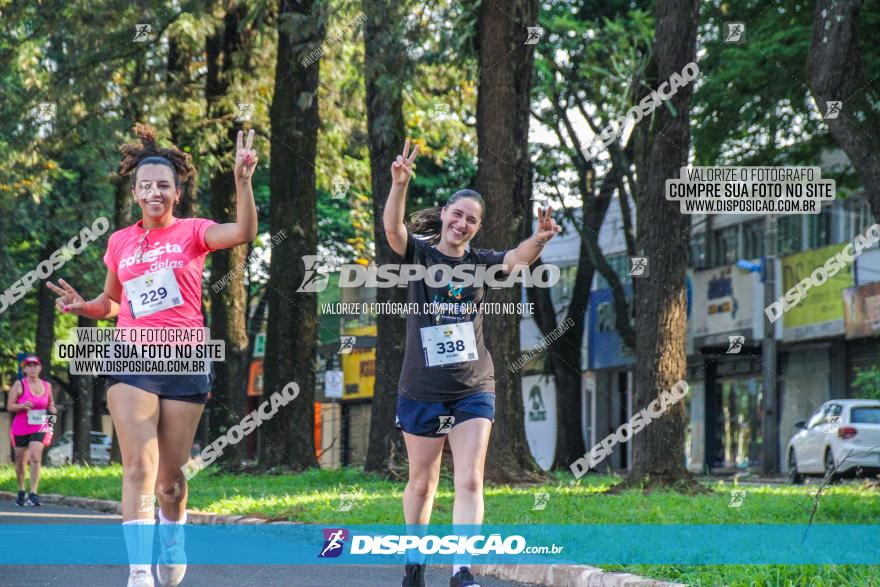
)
(565, 353)
(83, 386)
(662, 235)
(291, 339)
(122, 197)
(384, 64)
(228, 307)
(45, 333)
(122, 202)
(97, 401)
(121, 219)
(836, 74)
(176, 84)
(504, 180)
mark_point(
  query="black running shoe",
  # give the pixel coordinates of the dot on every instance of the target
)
(20, 500)
(415, 576)
(33, 499)
(463, 578)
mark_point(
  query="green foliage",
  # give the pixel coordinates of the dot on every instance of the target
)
(867, 383)
(753, 105)
(585, 65)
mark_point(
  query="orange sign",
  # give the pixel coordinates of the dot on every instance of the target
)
(255, 379)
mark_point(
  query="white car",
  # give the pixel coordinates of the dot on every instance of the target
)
(841, 439)
(62, 453)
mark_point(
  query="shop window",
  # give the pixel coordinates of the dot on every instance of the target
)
(858, 218)
(561, 292)
(699, 259)
(789, 235)
(753, 239)
(819, 229)
(725, 241)
(742, 422)
(619, 265)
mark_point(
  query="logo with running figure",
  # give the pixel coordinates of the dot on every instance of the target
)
(334, 540)
(734, 32)
(736, 498)
(446, 423)
(736, 344)
(315, 278)
(541, 500)
(833, 110)
(346, 344)
(638, 266)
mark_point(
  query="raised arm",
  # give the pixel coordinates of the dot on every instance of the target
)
(244, 229)
(530, 249)
(395, 205)
(103, 307)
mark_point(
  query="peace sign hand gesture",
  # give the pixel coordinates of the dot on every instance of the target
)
(245, 157)
(401, 169)
(547, 227)
(70, 300)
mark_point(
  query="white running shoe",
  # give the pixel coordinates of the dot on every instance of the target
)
(140, 578)
(170, 575)
(171, 566)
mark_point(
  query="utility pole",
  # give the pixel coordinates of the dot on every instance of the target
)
(770, 445)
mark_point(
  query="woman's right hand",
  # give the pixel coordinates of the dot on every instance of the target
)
(29, 404)
(401, 169)
(70, 300)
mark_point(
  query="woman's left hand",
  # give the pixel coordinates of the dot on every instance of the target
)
(245, 157)
(547, 227)
(52, 410)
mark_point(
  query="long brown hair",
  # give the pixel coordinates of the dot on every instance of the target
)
(426, 223)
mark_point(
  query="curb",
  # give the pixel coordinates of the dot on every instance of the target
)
(543, 575)
(568, 576)
(114, 507)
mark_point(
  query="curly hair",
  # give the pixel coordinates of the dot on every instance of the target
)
(148, 151)
(427, 223)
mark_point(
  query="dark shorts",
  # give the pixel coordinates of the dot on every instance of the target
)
(23, 440)
(185, 388)
(436, 419)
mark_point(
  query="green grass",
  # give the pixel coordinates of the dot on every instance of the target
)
(314, 497)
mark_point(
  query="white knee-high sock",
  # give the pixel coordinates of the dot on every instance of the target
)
(164, 520)
(172, 534)
(139, 543)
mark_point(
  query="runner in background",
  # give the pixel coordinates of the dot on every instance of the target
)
(155, 416)
(30, 399)
(447, 383)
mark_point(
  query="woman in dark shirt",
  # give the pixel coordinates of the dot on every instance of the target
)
(447, 384)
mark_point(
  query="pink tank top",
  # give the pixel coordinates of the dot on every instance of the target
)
(20, 425)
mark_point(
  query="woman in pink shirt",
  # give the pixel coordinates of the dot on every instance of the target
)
(30, 399)
(156, 416)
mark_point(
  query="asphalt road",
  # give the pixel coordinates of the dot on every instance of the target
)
(197, 575)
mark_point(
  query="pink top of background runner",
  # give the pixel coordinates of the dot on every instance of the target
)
(180, 246)
(20, 426)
